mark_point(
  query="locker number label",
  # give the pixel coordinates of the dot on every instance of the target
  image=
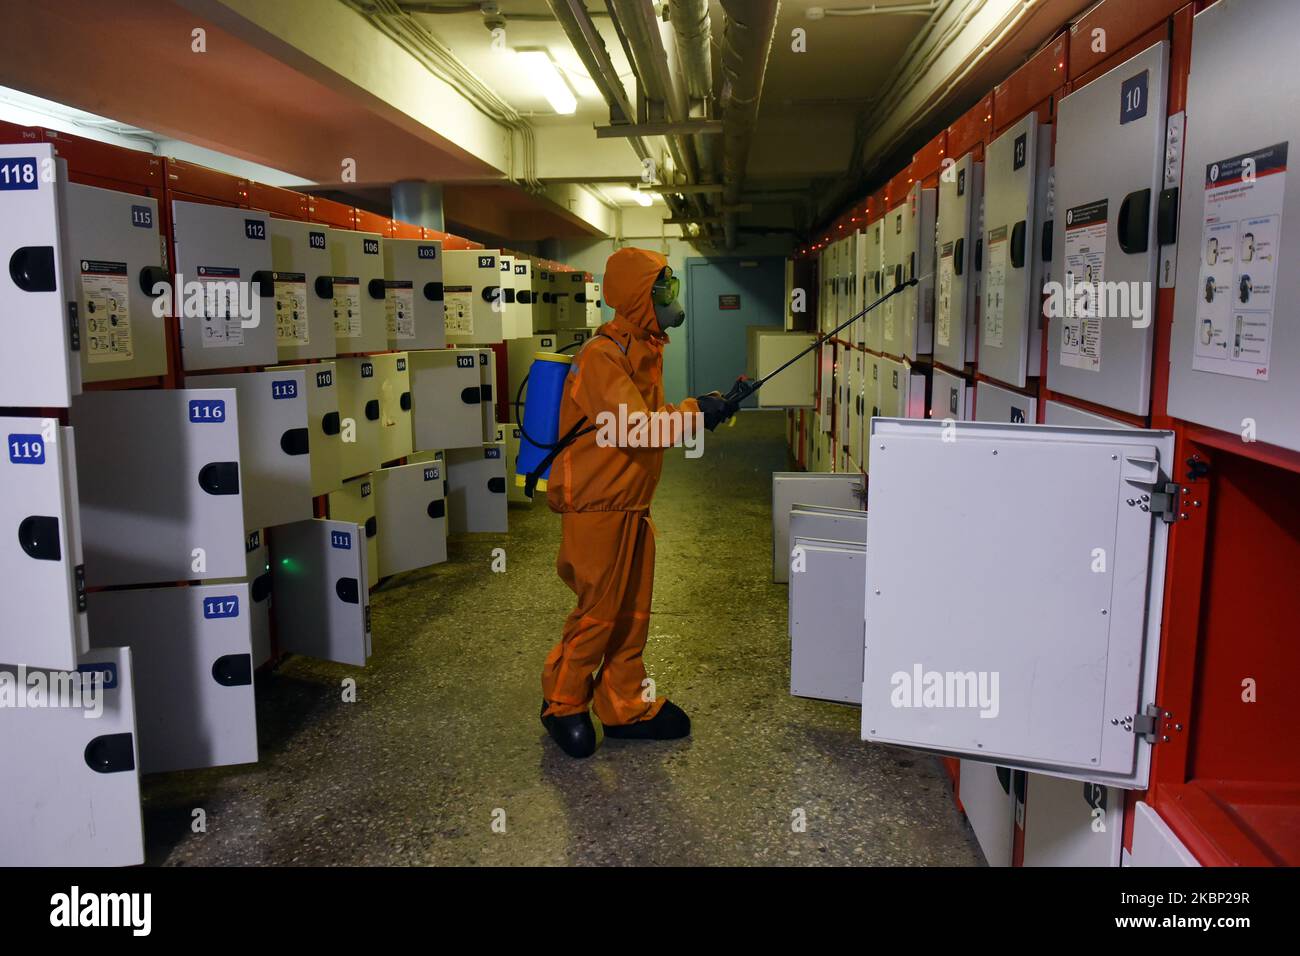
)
(19, 173)
(1133, 98)
(316, 240)
(487, 262)
(1018, 151)
(427, 252)
(521, 270)
(286, 388)
(370, 247)
(142, 217)
(207, 410)
(26, 449)
(217, 607)
(254, 541)
(324, 379)
(431, 474)
(367, 370)
(401, 365)
(464, 361)
(365, 489)
(255, 229)
(491, 452)
(341, 540)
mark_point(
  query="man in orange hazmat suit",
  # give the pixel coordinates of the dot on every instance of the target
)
(602, 490)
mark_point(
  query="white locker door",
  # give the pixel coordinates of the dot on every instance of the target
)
(446, 399)
(475, 308)
(191, 650)
(393, 373)
(227, 252)
(510, 314)
(875, 328)
(1110, 148)
(355, 503)
(38, 366)
(159, 477)
(790, 488)
(274, 443)
(956, 290)
(826, 619)
(524, 300)
(985, 794)
(1072, 823)
(258, 556)
(72, 796)
(476, 489)
(324, 424)
(321, 599)
(1059, 413)
(1015, 177)
(42, 598)
(510, 436)
(891, 312)
(359, 415)
(410, 507)
(413, 273)
(949, 397)
(915, 325)
(116, 260)
(519, 359)
(360, 314)
(487, 371)
(995, 404)
(304, 290)
(1036, 659)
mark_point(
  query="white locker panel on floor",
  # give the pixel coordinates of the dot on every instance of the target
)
(1234, 309)
(509, 436)
(446, 395)
(1110, 149)
(76, 801)
(1059, 413)
(355, 503)
(475, 307)
(1015, 200)
(985, 794)
(227, 252)
(322, 601)
(487, 372)
(827, 598)
(360, 294)
(115, 260)
(1071, 823)
(476, 489)
(191, 655)
(323, 426)
(39, 366)
(1154, 843)
(359, 415)
(909, 326)
(410, 507)
(957, 285)
(951, 396)
(274, 464)
(414, 296)
(159, 478)
(874, 320)
(304, 290)
(392, 371)
(996, 404)
(769, 348)
(1070, 699)
(790, 488)
(42, 599)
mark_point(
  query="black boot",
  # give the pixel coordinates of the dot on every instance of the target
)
(669, 724)
(574, 734)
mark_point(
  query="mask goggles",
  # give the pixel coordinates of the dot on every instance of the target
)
(666, 288)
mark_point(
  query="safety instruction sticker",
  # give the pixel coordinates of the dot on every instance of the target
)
(995, 287)
(1239, 245)
(458, 314)
(223, 327)
(291, 308)
(943, 296)
(347, 307)
(1085, 268)
(400, 302)
(105, 301)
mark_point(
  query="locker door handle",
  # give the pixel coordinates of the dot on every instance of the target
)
(261, 588)
(508, 294)
(294, 441)
(32, 268)
(437, 509)
(433, 291)
(898, 274)
(1167, 217)
(1004, 779)
(111, 753)
(1133, 222)
(372, 527)
(329, 423)
(233, 670)
(485, 393)
(348, 590)
(1018, 245)
(220, 478)
(151, 276)
(979, 254)
(377, 288)
(372, 410)
(524, 296)
(497, 485)
(911, 266)
(405, 401)
(472, 395)
(959, 256)
(491, 293)
(324, 286)
(264, 279)
(38, 536)
(1045, 243)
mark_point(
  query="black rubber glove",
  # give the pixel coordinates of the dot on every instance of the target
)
(716, 409)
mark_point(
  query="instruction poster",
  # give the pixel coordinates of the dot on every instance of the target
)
(995, 287)
(291, 309)
(105, 301)
(347, 307)
(400, 301)
(458, 306)
(943, 294)
(223, 328)
(1085, 268)
(1239, 244)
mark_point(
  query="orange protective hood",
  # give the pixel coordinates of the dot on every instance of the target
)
(629, 275)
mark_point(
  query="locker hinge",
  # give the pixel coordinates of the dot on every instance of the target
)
(1145, 725)
(1164, 501)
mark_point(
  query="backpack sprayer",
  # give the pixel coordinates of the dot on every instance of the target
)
(539, 425)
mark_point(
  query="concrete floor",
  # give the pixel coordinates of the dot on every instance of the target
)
(443, 744)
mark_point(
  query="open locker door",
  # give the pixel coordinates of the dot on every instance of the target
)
(321, 601)
(1040, 653)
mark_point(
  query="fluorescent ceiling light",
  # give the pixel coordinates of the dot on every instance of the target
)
(543, 74)
(642, 197)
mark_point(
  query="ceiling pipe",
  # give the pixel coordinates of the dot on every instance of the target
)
(690, 22)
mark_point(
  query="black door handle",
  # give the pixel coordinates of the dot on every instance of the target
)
(1018, 245)
(959, 256)
(1134, 219)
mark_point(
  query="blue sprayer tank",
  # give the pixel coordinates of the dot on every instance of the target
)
(541, 418)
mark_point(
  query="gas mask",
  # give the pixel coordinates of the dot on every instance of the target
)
(663, 295)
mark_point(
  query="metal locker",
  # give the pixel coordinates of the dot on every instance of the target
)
(1154, 842)
(411, 508)
(592, 301)
(74, 796)
(115, 258)
(414, 296)
(902, 389)
(158, 472)
(257, 576)
(42, 598)
(790, 488)
(325, 443)
(951, 396)
(509, 436)
(304, 290)
(274, 464)
(576, 312)
(979, 674)
(770, 347)
(909, 326)
(225, 253)
(355, 503)
(563, 300)
(1015, 206)
(1071, 823)
(1234, 308)
(319, 570)
(487, 370)
(996, 404)
(985, 794)
(476, 489)
(360, 294)
(827, 600)
(957, 286)
(519, 359)
(871, 365)
(543, 299)
(475, 306)
(875, 274)
(1110, 145)
(826, 387)
(510, 313)
(393, 373)
(862, 296)
(359, 415)
(191, 654)
(446, 395)
(892, 273)
(39, 367)
(1059, 413)
(525, 303)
